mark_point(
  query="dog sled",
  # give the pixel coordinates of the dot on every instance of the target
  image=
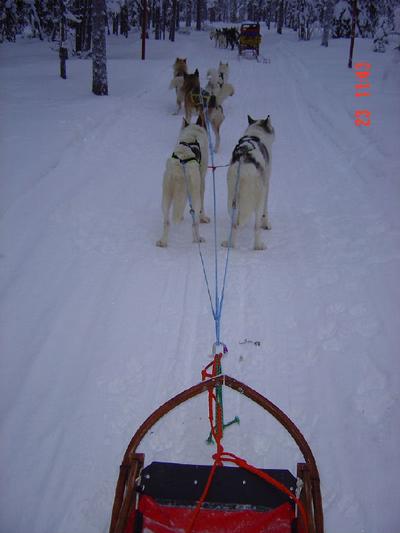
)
(249, 40)
(179, 498)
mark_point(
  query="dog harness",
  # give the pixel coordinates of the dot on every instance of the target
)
(245, 146)
(201, 98)
(195, 148)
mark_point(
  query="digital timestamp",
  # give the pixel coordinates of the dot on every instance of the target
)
(362, 117)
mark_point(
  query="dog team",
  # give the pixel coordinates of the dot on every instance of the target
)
(250, 165)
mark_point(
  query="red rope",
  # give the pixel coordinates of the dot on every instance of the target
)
(221, 456)
(214, 167)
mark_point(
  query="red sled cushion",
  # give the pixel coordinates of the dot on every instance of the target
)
(158, 518)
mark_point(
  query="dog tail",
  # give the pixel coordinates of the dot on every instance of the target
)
(176, 83)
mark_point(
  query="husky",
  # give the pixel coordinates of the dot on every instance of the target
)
(179, 69)
(200, 101)
(223, 71)
(248, 179)
(225, 90)
(184, 177)
(217, 83)
(214, 81)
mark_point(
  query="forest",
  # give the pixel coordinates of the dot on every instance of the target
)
(71, 21)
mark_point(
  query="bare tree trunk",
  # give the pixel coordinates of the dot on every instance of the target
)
(157, 21)
(353, 33)
(144, 28)
(327, 21)
(63, 51)
(281, 10)
(164, 18)
(188, 17)
(198, 15)
(100, 84)
(172, 23)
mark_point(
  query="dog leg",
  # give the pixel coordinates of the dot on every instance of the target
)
(204, 219)
(265, 223)
(178, 103)
(188, 113)
(232, 243)
(178, 108)
(163, 242)
(258, 244)
(217, 136)
(195, 230)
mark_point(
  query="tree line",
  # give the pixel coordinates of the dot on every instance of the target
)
(80, 26)
(50, 19)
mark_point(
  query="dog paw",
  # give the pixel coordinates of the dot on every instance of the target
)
(161, 243)
(204, 219)
(260, 246)
(200, 239)
(225, 244)
(265, 224)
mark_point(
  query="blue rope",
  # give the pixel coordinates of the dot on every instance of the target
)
(216, 308)
(192, 212)
(233, 215)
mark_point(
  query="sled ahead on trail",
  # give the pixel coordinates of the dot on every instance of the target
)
(249, 40)
(178, 498)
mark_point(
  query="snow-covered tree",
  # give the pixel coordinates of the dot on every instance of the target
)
(307, 16)
(327, 18)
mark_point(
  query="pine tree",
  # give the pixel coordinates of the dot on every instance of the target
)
(100, 84)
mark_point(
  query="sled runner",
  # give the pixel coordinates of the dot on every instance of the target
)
(176, 498)
(249, 40)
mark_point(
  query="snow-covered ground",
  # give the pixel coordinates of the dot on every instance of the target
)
(99, 326)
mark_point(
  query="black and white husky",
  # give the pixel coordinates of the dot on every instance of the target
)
(184, 178)
(248, 179)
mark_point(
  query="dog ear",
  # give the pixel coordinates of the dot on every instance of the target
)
(266, 124)
(196, 73)
(184, 60)
(185, 123)
(251, 121)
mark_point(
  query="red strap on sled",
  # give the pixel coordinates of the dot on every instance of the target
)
(221, 456)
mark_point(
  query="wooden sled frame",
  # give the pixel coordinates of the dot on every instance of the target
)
(132, 462)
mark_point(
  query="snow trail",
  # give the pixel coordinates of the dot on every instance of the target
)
(99, 326)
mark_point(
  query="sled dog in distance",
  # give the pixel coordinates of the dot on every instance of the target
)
(184, 177)
(223, 71)
(217, 84)
(248, 179)
(179, 69)
(202, 102)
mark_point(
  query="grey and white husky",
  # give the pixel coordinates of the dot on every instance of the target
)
(185, 176)
(248, 179)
